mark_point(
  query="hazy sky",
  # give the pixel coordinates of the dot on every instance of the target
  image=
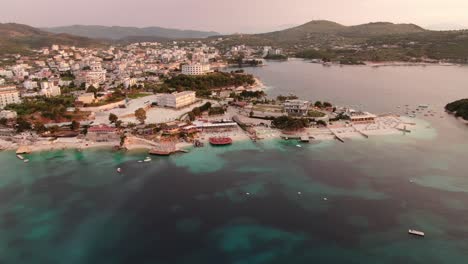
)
(233, 15)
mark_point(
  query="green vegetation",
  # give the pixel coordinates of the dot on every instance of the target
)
(116, 96)
(137, 95)
(140, 115)
(315, 114)
(197, 111)
(20, 39)
(216, 111)
(459, 108)
(276, 57)
(283, 98)
(289, 123)
(203, 84)
(53, 108)
(67, 76)
(113, 118)
(368, 42)
(250, 94)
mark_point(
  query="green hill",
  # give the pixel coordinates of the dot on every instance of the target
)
(399, 42)
(18, 38)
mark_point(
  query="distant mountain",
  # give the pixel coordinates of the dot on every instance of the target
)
(386, 42)
(18, 38)
(118, 33)
(321, 28)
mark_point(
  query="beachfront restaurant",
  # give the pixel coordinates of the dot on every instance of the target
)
(215, 126)
(362, 117)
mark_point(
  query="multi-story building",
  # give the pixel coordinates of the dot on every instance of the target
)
(177, 100)
(49, 89)
(296, 107)
(9, 95)
(195, 69)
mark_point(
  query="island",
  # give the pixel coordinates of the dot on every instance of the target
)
(459, 108)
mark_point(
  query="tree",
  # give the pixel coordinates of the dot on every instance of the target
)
(140, 115)
(327, 104)
(39, 127)
(92, 89)
(321, 123)
(75, 125)
(3, 121)
(318, 104)
(113, 118)
(118, 123)
(122, 140)
(22, 124)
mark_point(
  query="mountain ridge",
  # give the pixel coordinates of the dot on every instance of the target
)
(19, 38)
(121, 32)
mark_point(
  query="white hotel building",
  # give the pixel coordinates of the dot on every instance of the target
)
(9, 95)
(195, 69)
(177, 100)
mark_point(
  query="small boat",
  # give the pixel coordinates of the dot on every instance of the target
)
(299, 146)
(325, 199)
(147, 159)
(20, 157)
(416, 232)
(26, 161)
(140, 161)
(220, 141)
(119, 170)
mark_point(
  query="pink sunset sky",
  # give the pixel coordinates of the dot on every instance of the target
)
(234, 16)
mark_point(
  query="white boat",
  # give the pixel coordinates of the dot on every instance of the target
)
(148, 159)
(299, 146)
(20, 157)
(119, 170)
(416, 232)
(26, 161)
(140, 161)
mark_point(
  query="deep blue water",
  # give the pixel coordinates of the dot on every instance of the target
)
(257, 202)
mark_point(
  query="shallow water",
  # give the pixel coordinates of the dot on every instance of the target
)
(250, 202)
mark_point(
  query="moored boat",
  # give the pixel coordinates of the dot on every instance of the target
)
(416, 233)
(220, 141)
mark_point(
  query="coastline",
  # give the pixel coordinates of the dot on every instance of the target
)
(390, 63)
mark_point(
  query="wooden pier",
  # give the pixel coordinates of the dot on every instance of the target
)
(336, 136)
(360, 132)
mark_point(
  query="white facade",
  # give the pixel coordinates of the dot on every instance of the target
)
(49, 89)
(195, 69)
(296, 107)
(9, 95)
(8, 114)
(177, 100)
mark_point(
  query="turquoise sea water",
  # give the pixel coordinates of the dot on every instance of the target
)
(247, 203)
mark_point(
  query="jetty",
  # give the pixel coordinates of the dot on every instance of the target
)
(337, 137)
(360, 132)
